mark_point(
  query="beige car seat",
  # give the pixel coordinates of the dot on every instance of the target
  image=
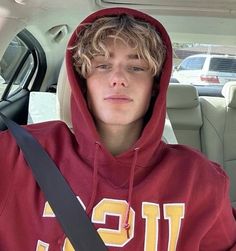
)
(219, 131)
(63, 97)
(183, 108)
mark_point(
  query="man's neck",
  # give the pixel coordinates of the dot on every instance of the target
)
(119, 138)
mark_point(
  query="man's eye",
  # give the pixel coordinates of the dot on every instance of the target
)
(103, 66)
(136, 68)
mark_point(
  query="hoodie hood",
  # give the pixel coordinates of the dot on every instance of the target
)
(83, 125)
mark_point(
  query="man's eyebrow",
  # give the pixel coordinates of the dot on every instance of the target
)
(133, 56)
(129, 56)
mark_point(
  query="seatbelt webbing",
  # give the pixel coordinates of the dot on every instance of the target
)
(68, 210)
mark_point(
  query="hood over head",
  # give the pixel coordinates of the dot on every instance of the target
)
(83, 124)
(131, 167)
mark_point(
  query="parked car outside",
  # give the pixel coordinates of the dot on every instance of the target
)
(206, 69)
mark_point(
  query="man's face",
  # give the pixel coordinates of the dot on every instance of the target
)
(119, 88)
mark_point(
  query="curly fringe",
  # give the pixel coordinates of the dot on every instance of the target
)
(137, 34)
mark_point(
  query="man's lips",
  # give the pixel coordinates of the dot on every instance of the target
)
(118, 98)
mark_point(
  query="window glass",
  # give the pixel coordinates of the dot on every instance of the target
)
(183, 66)
(223, 65)
(15, 66)
(193, 64)
(23, 75)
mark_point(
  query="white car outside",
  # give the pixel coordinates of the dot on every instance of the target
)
(206, 69)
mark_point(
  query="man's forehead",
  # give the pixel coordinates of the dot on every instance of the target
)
(115, 47)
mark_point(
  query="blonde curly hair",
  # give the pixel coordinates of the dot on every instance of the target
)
(137, 34)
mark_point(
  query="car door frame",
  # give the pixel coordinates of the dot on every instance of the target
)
(15, 106)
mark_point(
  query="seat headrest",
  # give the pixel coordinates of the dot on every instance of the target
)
(182, 96)
(63, 97)
(229, 92)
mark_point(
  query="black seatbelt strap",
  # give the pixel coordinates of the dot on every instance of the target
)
(69, 212)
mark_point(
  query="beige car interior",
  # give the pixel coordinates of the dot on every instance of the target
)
(205, 123)
(219, 131)
(184, 111)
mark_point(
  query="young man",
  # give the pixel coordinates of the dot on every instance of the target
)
(140, 193)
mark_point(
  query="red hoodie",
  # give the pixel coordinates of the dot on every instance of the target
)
(178, 199)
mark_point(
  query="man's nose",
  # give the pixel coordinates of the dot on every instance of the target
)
(118, 78)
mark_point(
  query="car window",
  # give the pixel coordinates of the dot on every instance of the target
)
(193, 64)
(223, 65)
(16, 65)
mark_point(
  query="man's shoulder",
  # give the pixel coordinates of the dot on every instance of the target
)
(45, 131)
(47, 127)
(200, 173)
(195, 160)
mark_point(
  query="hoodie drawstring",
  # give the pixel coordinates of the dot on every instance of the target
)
(126, 224)
(95, 180)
